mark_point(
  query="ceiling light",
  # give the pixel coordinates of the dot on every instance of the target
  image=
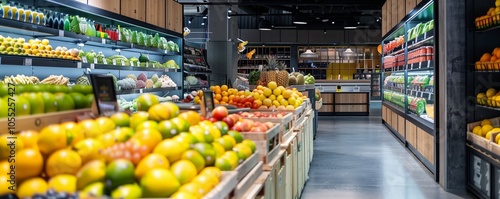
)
(350, 27)
(300, 22)
(308, 54)
(359, 22)
(325, 20)
(228, 17)
(265, 25)
(202, 23)
(348, 53)
(229, 10)
(205, 17)
(333, 22)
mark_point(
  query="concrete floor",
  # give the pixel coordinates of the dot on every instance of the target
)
(357, 157)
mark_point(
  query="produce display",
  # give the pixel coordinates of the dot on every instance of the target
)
(37, 48)
(40, 98)
(489, 98)
(141, 81)
(254, 77)
(153, 41)
(420, 29)
(421, 81)
(491, 18)
(155, 152)
(395, 97)
(276, 72)
(276, 114)
(415, 104)
(398, 41)
(296, 78)
(192, 81)
(132, 105)
(422, 54)
(489, 61)
(485, 129)
(396, 79)
(309, 79)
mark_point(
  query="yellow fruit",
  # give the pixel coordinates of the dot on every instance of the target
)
(150, 162)
(31, 187)
(485, 122)
(151, 188)
(185, 195)
(193, 188)
(184, 171)
(74, 131)
(64, 161)
(267, 102)
(9, 146)
(277, 91)
(45, 41)
(93, 171)
(267, 92)
(223, 163)
(88, 149)
(214, 171)
(194, 157)
(485, 129)
(105, 124)
(148, 137)
(205, 181)
(29, 163)
(272, 97)
(233, 158)
(491, 92)
(276, 103)
(6, 186)
(272, 85)
(121, 119)
(193, 118)
(243, 149)
(90, 128)
(4, 167)
(159, 112)
(63, 183)
(171, 149)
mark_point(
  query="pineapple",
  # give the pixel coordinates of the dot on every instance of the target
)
(272, 74)
(282, 76)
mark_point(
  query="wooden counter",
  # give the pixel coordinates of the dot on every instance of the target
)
(345, 103)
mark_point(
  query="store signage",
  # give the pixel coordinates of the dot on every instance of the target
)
(104, 93)
(207, 103)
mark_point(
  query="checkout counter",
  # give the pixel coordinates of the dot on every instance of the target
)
(344, 97)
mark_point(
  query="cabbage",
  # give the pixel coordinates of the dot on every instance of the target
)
(156, 40)
(191, 80)
(170, 46)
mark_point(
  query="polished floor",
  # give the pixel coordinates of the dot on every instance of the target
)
(357, 157)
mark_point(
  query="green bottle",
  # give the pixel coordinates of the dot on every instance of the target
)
(66, 22)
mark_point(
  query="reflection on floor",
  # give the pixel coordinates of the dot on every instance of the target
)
(357, 157)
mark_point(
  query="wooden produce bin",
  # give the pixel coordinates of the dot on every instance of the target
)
(135, 9)
(299, 129)
(38, 121)
(245, 167)
(257, 189)
(245, 184)
(319, 104)
(479, 140)
(155, 12)
(267, 143)
(286, 124)
(224, 188)
(290, 161)
(109, 5)
(280, 178)
(269, 186)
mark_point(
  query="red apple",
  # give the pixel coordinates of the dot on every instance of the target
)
(220, 112)
(238, 127)
(213, 119)
(228, 121)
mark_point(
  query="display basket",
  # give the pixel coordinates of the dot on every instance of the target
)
(246, 166)
(285, 122)
(267, 143)
(224, 188)
(479, 140)
(245, 185)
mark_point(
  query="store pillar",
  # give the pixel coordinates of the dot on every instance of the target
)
(452, 94)
(222, 45)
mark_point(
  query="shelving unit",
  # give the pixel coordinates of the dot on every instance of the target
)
(375, 86)
(195, 64)
(245, 65)
(408, 83)
(42, 66)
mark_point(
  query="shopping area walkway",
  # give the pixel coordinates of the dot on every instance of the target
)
(357, 157)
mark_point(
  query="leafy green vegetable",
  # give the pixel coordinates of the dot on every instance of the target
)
(156, 40)
(253, 77)
(74, 26)
(142, 39)
(135, 38)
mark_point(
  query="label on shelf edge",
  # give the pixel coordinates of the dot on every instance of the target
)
(123, 63)
(103, 41)
(84, 59)
(131, 63)
(79, 65)
(92, 66)
(114, 62)
(28, 62)
(61, 33)
(104, 61)
(147, 64)
(95, 60)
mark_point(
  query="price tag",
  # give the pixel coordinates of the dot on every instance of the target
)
(421, 94)
(429, 98)
(123, 62)
(84, 59)
(95, 60)
(425, 35)
(92, 66)
(104, 61)
(61, 33)
(147, 64)
(419, 65)
(114, 62)
(28, 62)
(79, 65)
(103, 41)
(141, 90)
(131, 63)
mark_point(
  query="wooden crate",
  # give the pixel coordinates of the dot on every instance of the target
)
(246, 183)
(286, 123)
(246, 166)
(479, 140)
(410, 5)
(280, 177)
(295, 169)
(109, 5)
(135, 9)
(155, 12)
(224, 188)
(39, 121)
(269, 186)
(174, 16)
(267, 143)
(319, 103)
(289, 156)
(256, 191)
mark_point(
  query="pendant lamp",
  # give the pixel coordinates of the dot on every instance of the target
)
(308, 54)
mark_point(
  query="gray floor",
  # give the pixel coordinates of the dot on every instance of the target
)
(356, 157)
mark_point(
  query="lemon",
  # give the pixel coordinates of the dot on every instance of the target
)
(127, 191)
(51, 139)
(151, 187)
(93, 171)
(194, 157)
(185, 195)
(193, 188)
(151, 161)
(4, 167)
(96, 189)
(184, 171)
(88, 149)
(485, 129)
(477, 130)
(5, 145)
(244, 149)
(170, 148)
(206, 182)
(219, 148)
(233, 158)
(64, 161)
(5, 184)
(485, 122)
(31, 187)
(272, 85)
(214, 171)
(250, 144)
(63, 183)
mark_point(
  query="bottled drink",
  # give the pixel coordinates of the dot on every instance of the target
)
(34, 15)
(27, 12)
(60, 26)
(66, 22)
(43, 17)
(1, 10)
(7, 12)
(20, 10)
(55, 18)
(15, 15)
(50, 20)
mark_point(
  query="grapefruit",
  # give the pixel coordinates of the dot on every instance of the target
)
(172, 108)
(5, 143)
(92, 172)
(88, 149)
(193, 188)
(127, 191)
(90, 128)
(5, 184)
(29, 139)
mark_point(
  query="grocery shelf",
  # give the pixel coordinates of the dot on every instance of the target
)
(487, 29)
(427, 41)
(146, 90)
(395, 51)
(193, 56)
(197, 73)
(196, 86)
(194, 66)
(487, 107)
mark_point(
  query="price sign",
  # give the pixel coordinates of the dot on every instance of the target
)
(123, 62)
(131, 63)
(104, 93)
(84, 59)
(114, 62)
(104, 61)
(147, 64)
(95, 60)
(207, 103)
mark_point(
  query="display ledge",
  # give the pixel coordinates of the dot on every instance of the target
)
(395, 51)
(263, 59)
(489, 28)
(420, 66)
(196, 86)
(421, 94)
(487, 107)
(418, 121)
(429, 35)
(16, 60)
(195, 66)
(197, 73)
(37, 31)
(425, 42)
(146, 90)
(193, 56)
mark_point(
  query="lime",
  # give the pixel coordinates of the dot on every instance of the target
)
(127, 191)
(90, 99)
(250, 144)
(182, 124)
(23, 106)
(121, 119)
(83, 89)
(59, 89)
(37, 88)
(3, 108)
(119, 172)
(19, 88)
(207, 151)
(194, 157)
(236, 135)
(168, 129)
(223, 164)
(64, 102)
(79, 99)
(36, 103)
(225, 142)
(222, 126)
(4, 90)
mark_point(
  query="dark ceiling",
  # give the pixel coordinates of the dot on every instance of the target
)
(319, 14)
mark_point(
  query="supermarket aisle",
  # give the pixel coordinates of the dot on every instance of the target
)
(356, 157)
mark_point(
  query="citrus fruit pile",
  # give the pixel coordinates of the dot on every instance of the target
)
(39, 98)
(155, 153)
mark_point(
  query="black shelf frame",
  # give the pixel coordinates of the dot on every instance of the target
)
(146, 90)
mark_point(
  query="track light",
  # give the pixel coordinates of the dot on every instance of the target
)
(190, 20)
(202, 23)
(324, 32)
(229, 10)
(197, 8)
(359, 22)
(205, 17)
(228, 17)
(333, 22)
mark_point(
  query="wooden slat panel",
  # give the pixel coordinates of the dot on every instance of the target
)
(155, 12)
(389, 15)
(351, 108)
(174, 16)
(109, 5)
(384, 16)
(326, 108)
(394, 13)
(351, 98)
(394, 122)
(327, 98)
(418, 1)
(401, 9)
(389, 117)
(384, 113)
(401, 126)
(411, 133)
(410, 5)
(135, 9)
(425, 145)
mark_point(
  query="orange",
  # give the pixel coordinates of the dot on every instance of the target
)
(218, 97)
(184, 171)
(5, 185)
(105, 124)
(6, 142)
(151, 187)
(218, 91)
(64, 161)
(74, 131)
(52, 138)
(121, 119)
(89, 149)
(90, 128)
(148, 137)
(224, 87)
(29, 163)
(194, 157)
(225, 93)
(495, 51)
(493, 58)
(486, 57)
(193, 118)
(150, 124)
(137, 118)
(150, 162)
(497, 54)
(145, 101)
(159, 112)
(31, 187)
(171, 149)
(194, 188)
